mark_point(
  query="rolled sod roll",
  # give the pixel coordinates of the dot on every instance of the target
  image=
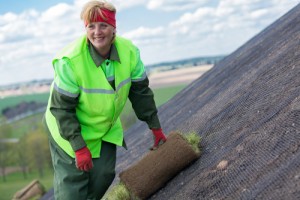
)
(157, 167)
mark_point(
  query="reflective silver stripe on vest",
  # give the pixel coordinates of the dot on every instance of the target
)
(64, 92)
(140, 79)
(104, 91)
(110, 78)
(101, 91)
(123, 83)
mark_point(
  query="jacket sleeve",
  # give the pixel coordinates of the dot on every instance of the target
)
(64, 100)
(142, 97)
(143, 104)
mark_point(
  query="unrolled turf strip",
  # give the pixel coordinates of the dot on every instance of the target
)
(157, 167)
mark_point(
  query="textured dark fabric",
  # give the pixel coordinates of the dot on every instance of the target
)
(157, 167)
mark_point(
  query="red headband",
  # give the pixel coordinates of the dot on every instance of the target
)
(108, 17)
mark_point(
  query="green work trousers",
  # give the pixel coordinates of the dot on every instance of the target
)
(72, 184)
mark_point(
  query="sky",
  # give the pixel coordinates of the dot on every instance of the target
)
(33, 31)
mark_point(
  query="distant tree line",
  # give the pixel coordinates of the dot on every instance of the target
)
(21, 108)
(29, 153)
(187, 62)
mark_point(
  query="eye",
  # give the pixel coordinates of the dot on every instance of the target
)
(90, 26)
(103, 26)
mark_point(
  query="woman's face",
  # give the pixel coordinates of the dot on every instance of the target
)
(100, 34)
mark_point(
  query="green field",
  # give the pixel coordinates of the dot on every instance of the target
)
(15, 181)
(15, 100)
(26, 125)
(162, 95)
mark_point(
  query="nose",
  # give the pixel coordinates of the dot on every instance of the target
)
(98, 29)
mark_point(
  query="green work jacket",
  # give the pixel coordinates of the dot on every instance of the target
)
(98, 104)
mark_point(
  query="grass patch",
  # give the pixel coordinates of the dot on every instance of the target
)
(118, 192)
(194, 140)
(15, 182)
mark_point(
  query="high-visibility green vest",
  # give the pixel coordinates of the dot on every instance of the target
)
(99, 104)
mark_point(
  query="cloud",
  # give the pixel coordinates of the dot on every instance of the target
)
(175, 5)
(29, 40)
(208, 30)
(57, 12)
(119, 4)
(146, 35)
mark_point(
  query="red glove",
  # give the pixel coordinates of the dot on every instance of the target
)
(83, 159)
(159, 138)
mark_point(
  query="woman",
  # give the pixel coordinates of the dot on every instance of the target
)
(94, 76)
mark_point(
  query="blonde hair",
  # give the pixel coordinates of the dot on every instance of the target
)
(94, 6)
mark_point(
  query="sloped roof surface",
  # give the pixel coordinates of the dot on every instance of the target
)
(247, 111)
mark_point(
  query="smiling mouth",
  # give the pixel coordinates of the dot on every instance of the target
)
(99, 38)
